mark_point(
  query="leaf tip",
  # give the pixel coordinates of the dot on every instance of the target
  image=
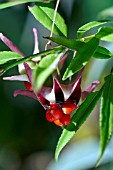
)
(56, 155)
(98, 161)
(68, 73)
(64, 76)
(46, 37)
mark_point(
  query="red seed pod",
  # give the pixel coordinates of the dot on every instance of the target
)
(49, 116)
(53, 114)
(65, 119)
(28, 86)
(68, 107)
(58, 123)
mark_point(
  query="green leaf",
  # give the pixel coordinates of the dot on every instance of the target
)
(44, 14)
(28, 58)
(90, 25)
(101, 52)
(108, 38)
(45, 68)
(78, 119)
(105, 33)
(6, 56)
(68, 43)
(17, 2)
(63, 140)
(106, 114)
(82, 57)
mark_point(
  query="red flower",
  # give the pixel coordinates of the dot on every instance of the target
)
(58, 101)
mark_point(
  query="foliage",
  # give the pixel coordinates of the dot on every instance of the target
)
(84, 48)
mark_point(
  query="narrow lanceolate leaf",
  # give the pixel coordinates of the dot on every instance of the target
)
(44, 14)
(82, 57)
(78, 119)
(76, 45)
(90, 25)
(63, 140)
(6, 56)
(106, 114)
(45, 68)
(105, 33)
(68, 43)
(17, 2)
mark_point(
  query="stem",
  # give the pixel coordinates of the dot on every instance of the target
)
(53, 24)
(56, 8)
(52, 29)
(58, 71)
(25, 59)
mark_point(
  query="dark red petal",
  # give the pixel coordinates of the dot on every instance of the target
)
(71, 91)
(10, 44)
(36, 43)
(59, 96)
(25, 93)
(28, 72)
(76, 88)
(48, 94)
(22, 77)
(62, 61)
(62, 92)
(76, 94)
(43, 101)
(89, 89)
(30, 94)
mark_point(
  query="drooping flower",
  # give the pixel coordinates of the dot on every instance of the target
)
(58, 101)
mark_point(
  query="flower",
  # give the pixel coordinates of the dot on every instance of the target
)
(58, 101)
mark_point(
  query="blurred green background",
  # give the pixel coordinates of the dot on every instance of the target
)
(27, 140)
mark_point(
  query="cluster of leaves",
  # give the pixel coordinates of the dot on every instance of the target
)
(85, 47)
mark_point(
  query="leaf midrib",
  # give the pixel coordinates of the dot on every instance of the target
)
(50, 18)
